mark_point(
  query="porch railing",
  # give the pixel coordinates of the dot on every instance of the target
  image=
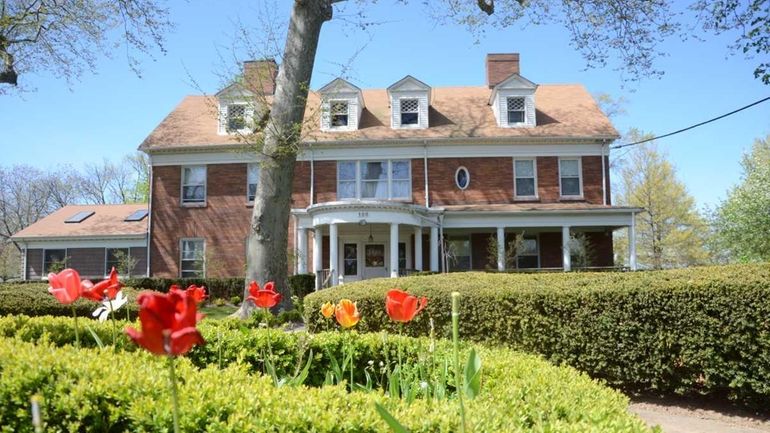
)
(407, 272)
(323, 279)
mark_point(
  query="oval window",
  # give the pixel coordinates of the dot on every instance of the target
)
(462, 178)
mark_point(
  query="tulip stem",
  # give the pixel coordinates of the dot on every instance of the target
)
(174, 395)
(114, 324)
(456, 341)
(77, 333)
(400, 364)
(350, 346)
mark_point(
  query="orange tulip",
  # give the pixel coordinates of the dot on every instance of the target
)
(402, 307)
(327, 310)
(346, 313)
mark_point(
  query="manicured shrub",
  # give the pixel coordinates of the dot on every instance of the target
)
(218, 288)
(302, 284)
(698, 331)
(33, 299)
(520, 392)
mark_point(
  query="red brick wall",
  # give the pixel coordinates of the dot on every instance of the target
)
(325, 181)
(601, 243)
(550, 250)
(491, 181)
(592, 179)
(300, 195)
(418, 181)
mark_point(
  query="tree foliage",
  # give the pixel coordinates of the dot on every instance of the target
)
(742, 221)
(669, 231)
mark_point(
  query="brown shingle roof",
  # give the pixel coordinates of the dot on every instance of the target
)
(534, 207)
(563, 110)
(107, 220)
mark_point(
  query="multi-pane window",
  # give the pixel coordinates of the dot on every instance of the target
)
(569, 177)
(119, 259)
(410, 112)
(252, 179)
(194, 184)
(527, 256)
(192, 260)
(339, 114)
(350, 265)
(401, 255)
(381, 180)
(236, 117)
(54, 261)
(524, 178)
(515, 110)
(459, 252)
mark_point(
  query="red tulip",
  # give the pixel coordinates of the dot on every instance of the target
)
(107, 289)
(66, 285)
(168, 323)
(402, 307)
(264, 298)
(196, 292)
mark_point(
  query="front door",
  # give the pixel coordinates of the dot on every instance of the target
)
(350, 263)
(374, 261)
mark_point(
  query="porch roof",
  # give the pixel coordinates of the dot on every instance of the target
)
(539, 207)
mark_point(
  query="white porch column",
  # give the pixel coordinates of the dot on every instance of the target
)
(318, 243)
(393, 250)
(333, 256)
(632, 243)
(501, 249)
(434, 249)
(301, 251)
(566, 259)
(418, 248)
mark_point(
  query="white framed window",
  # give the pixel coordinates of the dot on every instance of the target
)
(515, 109)
(338, 114)
(194, 185)
(459, 253)
(54, 260)
(570, 179)
(379, 180)
(525, 178)
(117, 258)
(236, 117)
(192, 258)
(252, 179)
(410, 112)
(462, 178)
(528, 256)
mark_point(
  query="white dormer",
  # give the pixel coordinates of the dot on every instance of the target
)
(409, 102)
(513, 102)
(341, 106)
(236, 110)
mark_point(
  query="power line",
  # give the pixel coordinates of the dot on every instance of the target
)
(619, 146)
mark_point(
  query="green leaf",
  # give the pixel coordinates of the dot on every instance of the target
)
(473, 375)
(388, 418)
(300, 379)
(95, 337)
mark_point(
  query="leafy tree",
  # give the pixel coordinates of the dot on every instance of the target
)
(669, 232)
(65, 36)
(742, 221)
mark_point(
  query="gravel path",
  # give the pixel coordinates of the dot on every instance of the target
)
(683, 417)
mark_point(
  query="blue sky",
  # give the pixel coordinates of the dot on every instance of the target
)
(110, 113)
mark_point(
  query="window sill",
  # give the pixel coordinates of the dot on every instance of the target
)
(571, 198)
(526, 198)
(194, 205)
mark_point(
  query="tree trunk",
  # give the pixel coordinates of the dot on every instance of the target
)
(268, 237)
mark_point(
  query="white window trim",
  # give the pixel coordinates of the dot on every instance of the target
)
(248, 169)
(227, 118)
(107, 272)
(331, 114)
(44, 272)
(537, 245)
(419, 119)
(515, 124)
(181, 252)
(468, 172)
(580, 178)
(359, 181)
(516, 195)
(205, 186)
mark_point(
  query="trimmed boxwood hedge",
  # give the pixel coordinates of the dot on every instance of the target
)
(697, 331)
(33, 299)
(89, 389)
(220, 288)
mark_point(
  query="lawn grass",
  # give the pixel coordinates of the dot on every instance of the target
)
(217, 312)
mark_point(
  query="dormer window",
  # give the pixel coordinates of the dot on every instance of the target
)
(339, 114)
(410, 112)
(236, 117)
(516, 108)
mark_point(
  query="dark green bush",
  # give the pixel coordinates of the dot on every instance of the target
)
(218, 288)
(33, 299)
(128, 392)
(698, 331)
(302, 285)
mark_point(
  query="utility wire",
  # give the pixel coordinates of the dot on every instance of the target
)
(619, 146)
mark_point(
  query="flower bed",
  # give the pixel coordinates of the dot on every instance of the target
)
(692, 331)
(33, 299)
(91, 389)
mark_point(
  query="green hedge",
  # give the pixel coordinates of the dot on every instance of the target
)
(220, 288)
(33, 299)
(698, 331)
(128, 393)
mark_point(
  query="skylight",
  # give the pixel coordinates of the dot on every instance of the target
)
(137, 215)
(79, 217)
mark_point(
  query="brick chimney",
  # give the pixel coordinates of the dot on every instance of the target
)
(501, 66)
(259, 75)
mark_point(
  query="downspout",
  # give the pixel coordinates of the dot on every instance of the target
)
(312, 176)
(425, 170)
(441, 243)
(604, 177)
(24, 263)
(296, 251)
(149, 216)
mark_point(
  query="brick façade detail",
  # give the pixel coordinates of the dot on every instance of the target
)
(491, 181)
